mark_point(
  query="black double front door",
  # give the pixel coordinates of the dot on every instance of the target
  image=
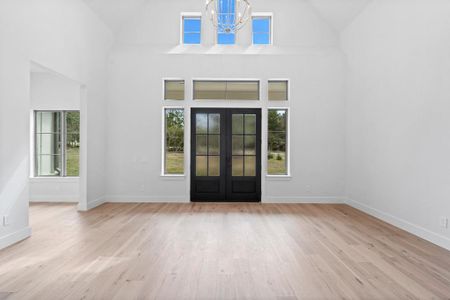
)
(226, 154)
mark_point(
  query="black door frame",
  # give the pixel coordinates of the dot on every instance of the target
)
(225, 181)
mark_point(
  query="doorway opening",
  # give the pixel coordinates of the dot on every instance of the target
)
(226, 154)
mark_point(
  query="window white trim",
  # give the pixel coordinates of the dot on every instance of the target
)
(264, 15)
(163, 142)
(163, 91)
(288, 143)
(227, 79)
(184, 15)
(288, 91)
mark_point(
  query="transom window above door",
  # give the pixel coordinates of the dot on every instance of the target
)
(226, 90)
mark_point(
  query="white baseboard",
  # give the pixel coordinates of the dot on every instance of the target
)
(145, 199)
(15, 237)
(57, 199)
(91, 204)
(419, 231)
(304, 199)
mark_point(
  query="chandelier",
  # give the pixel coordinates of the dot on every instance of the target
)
(228, 16)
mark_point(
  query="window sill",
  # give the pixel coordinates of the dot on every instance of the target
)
(55, 179)
(174, 177)
(278, 177)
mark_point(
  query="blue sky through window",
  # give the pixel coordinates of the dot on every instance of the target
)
(226, 16)
(191, 30)
(261, 30)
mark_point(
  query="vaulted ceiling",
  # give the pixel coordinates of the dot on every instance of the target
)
(337, 13)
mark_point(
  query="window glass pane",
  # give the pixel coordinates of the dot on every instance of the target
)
(201, 121)
(237, 166)
(277, 143)
(214, 165)
(261, 38)
(261, 30)
(48, 165)
(191, 30)
(48, 122)
(226, 15)
(250, 145)
(174, 148)
(237, 124)
(226, 90)
(226, 38)
(242, 90)
(250, 166)
(213, 145)
(278, 90)
(174, 90)
(201, 144)
(250, 124)
(209, 90)
(238, 145)
(191, 38)
(72, 149)
(214, 124)
(201, 166)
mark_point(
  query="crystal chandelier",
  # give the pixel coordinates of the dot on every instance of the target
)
(228, 16)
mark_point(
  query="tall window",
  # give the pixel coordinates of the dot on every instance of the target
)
(262, 33)
(226, 14)
(277, 142)
(174, 141)
(57, 143)
(191, 29)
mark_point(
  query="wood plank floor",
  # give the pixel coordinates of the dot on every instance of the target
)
(219, 251)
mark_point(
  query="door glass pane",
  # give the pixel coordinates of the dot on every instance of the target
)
(201, 145)
(238, 124)
(250, 124)
(72, 154)
(213, 145)
(214, 166)
(201, 121)
(250, 145)
(237, 168)
(201, 166)
(214, 123)
(238, 145)
(250, 166)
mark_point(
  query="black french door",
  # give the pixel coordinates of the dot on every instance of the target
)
(226, 154)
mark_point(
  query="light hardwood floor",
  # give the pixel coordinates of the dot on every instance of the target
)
(219, 251)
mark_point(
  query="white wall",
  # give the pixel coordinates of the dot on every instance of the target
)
(64, 36)
(305, 51)
(398, 108)
(49, 91)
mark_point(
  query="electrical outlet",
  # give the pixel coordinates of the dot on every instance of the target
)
(5, 220)
(444, 222)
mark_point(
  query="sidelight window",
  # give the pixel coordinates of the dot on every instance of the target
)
(277, 160)
(173, 141)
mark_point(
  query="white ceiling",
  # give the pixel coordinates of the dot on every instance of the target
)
(337, 13)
